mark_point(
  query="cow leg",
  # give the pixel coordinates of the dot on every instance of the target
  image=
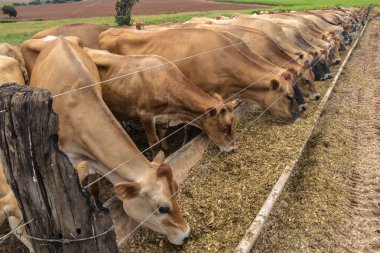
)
(150, 131)
(94, 188)
(162, 133)
(9, 210)
(187, 136)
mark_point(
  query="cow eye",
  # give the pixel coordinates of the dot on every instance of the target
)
(290, 98)
(306, 81)
(164, 209)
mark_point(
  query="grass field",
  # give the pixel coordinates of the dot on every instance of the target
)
(16, 33)
(305, 4)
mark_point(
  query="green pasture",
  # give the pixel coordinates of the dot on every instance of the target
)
(16, 33)
(298, 5)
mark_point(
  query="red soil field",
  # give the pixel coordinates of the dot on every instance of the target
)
(98, 8)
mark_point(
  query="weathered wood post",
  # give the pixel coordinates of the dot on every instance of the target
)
(43, 180)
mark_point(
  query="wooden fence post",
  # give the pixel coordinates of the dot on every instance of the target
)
(44, 181)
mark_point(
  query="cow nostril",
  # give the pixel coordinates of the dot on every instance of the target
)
(185, 239)
(317, 97)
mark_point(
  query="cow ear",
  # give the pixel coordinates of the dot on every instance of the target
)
(217, 97)
(236, 103)
(211, 112)
(286, 75)
(164, 170)
(274, 85)
(175, 187)
(159, 158)
(307, 64)
(324, 37)
(315, 54)
(293, 71)
(127, 190)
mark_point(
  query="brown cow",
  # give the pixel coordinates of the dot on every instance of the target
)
(89, 132)
(228, 72)
(162, 94)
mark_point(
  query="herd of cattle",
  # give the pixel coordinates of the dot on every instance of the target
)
(171, 74)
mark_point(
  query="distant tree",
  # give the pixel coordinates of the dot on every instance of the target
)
(10, 10)
(124, 11)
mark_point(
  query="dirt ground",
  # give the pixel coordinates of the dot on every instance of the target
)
(332, 203)
(97, 8)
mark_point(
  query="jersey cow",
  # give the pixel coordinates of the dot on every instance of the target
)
(238, 76)
(162, 94)
(89, 132)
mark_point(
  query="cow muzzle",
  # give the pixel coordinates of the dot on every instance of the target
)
(181, 238)
(230, 147)
(315, 96)
(336, 61)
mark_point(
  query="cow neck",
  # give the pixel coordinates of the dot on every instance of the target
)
(186, 101)
(87, 127)
(254, 76)
(103, 138)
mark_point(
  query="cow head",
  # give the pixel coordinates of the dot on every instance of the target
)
(280, 99)
(319, 67)
(154, 197)
(333, 52)
(305, 82)
(219, 124)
